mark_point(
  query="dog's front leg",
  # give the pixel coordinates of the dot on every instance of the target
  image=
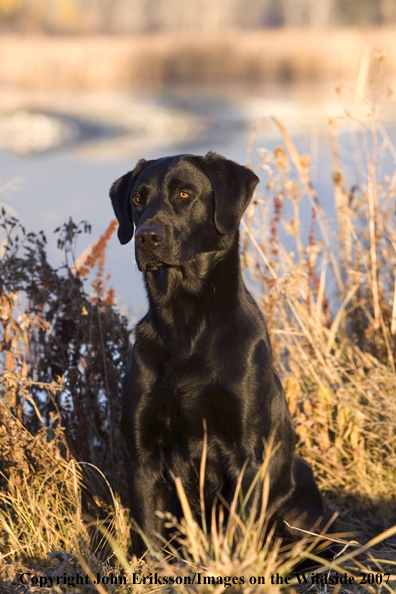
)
(148, 494)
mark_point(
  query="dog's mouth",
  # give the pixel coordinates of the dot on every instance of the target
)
(147, 266)
(153, 264)
(150, 260)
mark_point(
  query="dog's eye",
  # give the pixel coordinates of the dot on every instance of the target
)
(184, 194)
(138, 199)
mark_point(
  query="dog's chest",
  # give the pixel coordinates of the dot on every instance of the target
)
(170, 418)
(166, 422)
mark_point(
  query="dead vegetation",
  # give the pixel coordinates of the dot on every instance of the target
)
(331, 303)
(331, 309)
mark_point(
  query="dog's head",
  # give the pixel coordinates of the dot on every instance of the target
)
(181, 206)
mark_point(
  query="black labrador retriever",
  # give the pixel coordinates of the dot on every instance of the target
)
(202, 351)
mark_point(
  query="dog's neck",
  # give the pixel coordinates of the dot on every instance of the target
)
(179, 296)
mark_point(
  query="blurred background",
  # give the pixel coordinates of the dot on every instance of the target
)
(147, 16)
(87, 87)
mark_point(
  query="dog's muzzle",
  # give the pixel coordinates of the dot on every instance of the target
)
(149, 237)
(149, 241)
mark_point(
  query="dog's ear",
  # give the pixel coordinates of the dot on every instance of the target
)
(233, 187)
(119, 194)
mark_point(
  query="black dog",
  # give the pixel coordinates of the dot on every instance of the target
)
(202, 351)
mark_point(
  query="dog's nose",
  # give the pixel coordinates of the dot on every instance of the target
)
(149, 236)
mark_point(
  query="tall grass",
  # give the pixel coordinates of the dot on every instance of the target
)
(330, 304)
(62, 467)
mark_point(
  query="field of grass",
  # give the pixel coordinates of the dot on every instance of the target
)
(330, 304)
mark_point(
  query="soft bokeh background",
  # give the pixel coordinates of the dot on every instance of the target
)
(88, 87)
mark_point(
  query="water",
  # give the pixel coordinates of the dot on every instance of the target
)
(73, 179)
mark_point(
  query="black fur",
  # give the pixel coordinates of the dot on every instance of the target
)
(202, 351)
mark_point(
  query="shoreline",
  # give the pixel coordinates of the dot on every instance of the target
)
(156, 62)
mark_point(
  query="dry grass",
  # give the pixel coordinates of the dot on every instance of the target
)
(336, 346)
(334, 343)
(151, 61)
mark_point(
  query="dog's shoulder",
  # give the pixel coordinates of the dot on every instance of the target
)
(148, 343)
